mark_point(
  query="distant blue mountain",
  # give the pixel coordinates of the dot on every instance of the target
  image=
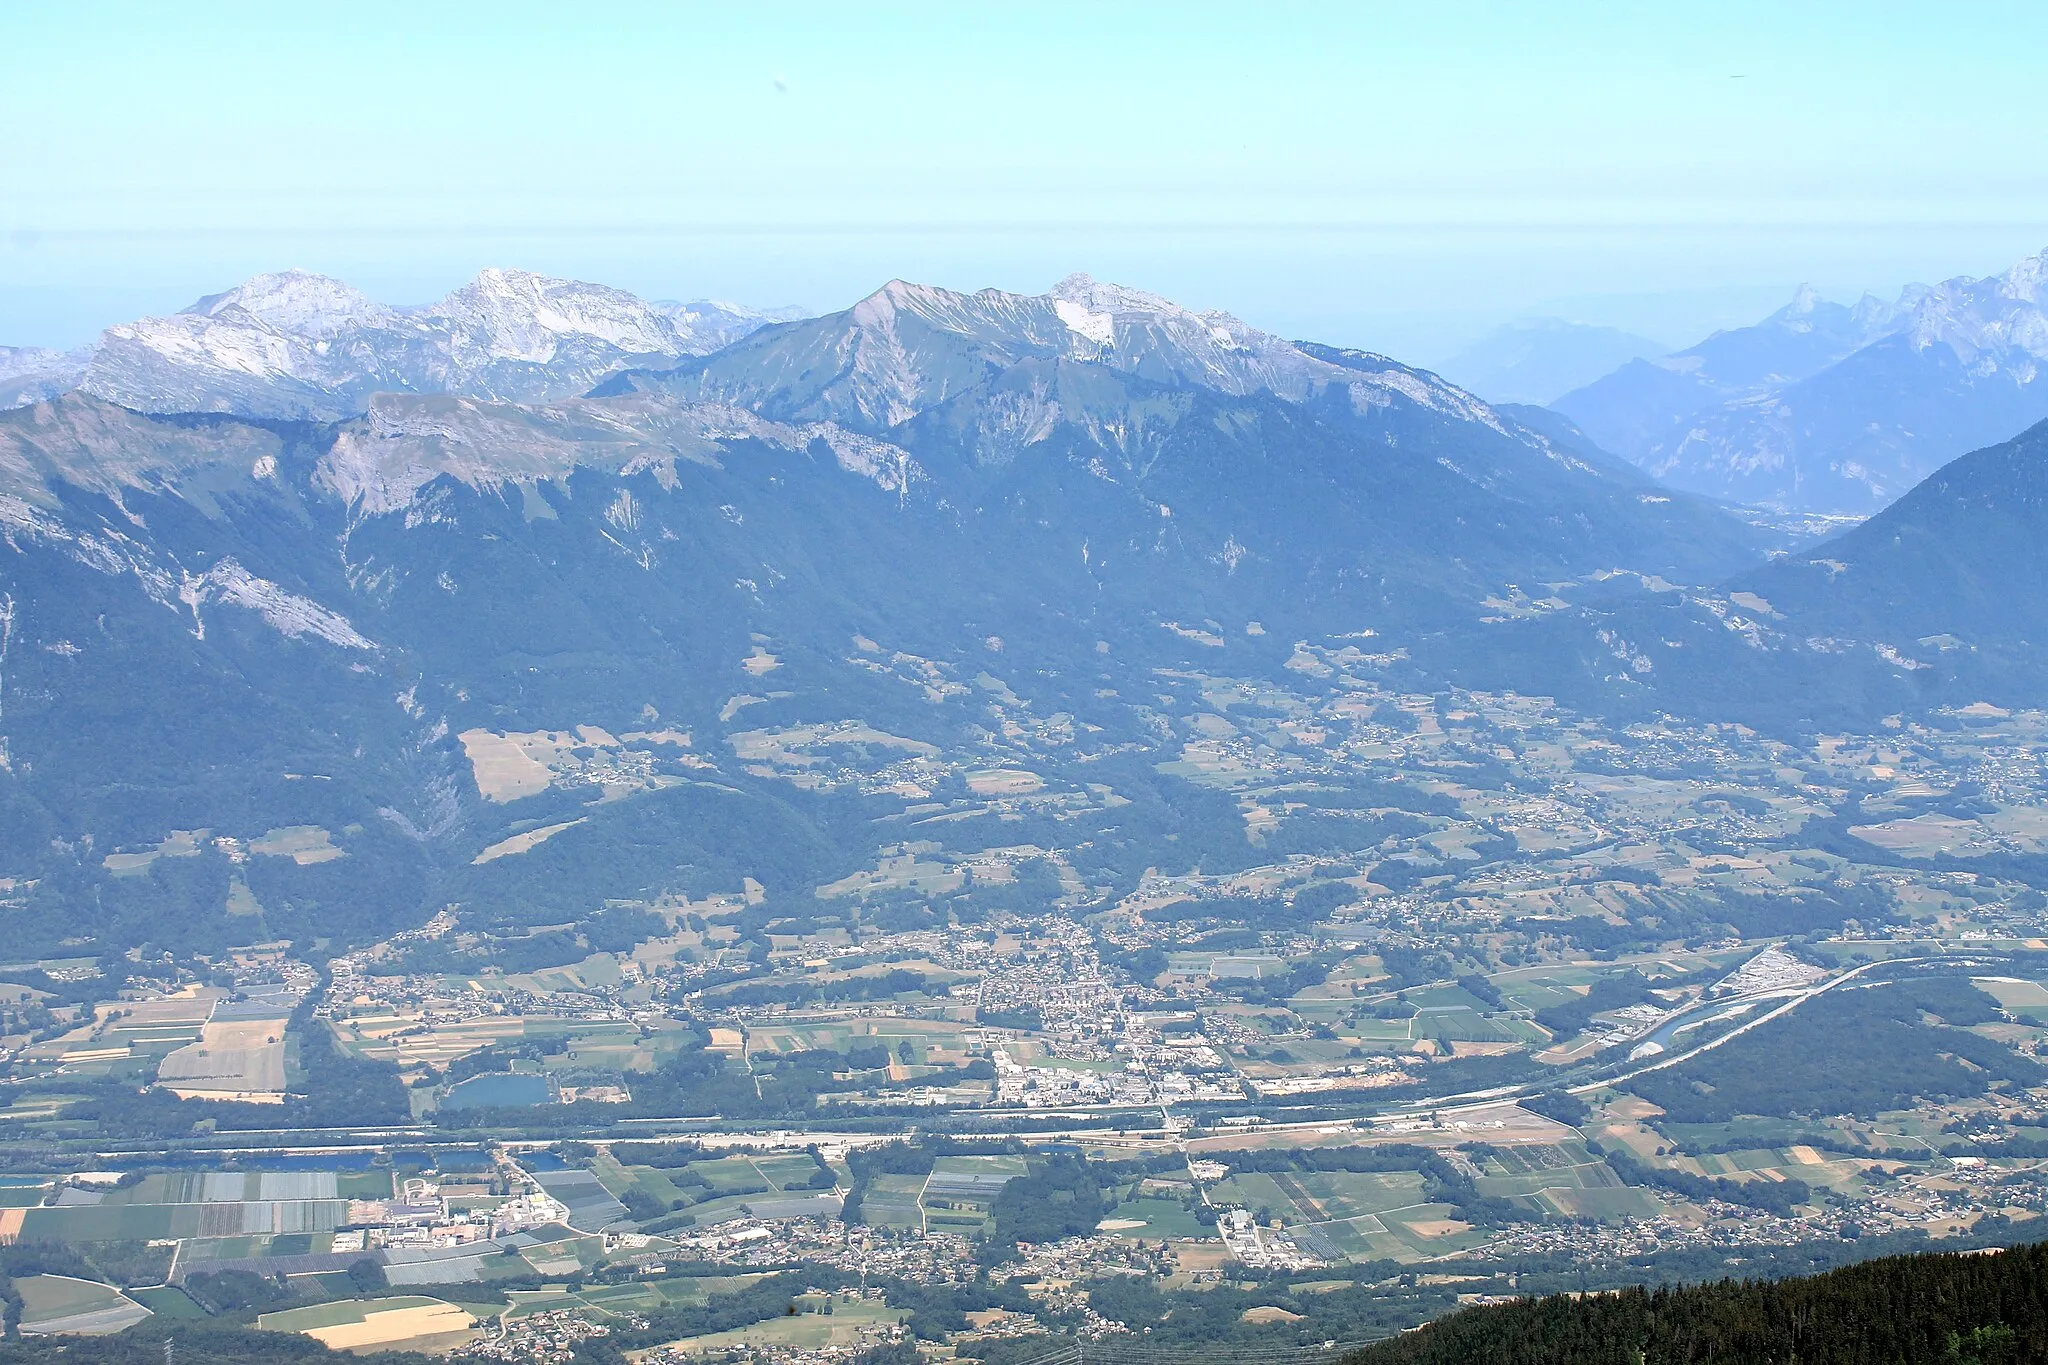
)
(1537, 360)
(1828, 408)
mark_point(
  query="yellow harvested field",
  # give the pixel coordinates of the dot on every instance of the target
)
(238, 1058)
(1806, 1156)
(394, 1325)
(728, 1040)
(504, 770)
(10, 1225)
(521, 843)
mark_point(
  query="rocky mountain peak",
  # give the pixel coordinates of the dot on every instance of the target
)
(518, 315)
(293, 301)
(1980, 319)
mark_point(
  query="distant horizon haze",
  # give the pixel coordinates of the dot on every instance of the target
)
(1360, 175)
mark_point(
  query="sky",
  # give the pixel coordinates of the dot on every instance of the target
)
(1402, 177)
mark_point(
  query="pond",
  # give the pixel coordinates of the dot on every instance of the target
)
(497, 1088)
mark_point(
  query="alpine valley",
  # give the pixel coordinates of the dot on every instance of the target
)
(853, 517)
(1005, 820)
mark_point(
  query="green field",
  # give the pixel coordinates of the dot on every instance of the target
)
(1446, 998)
(1319, 1197)
(57, 1296)
(1540, 987)
(1347, 1194)
(1157, 1219)
(732, 1175)
(808, 1330)
(147, 1222)
(1384, 1032)
(784, 1172)
(892, 1201)
(168, 1301)
(1366, 1239)
(1256, 1190)
(363, 1185)
(1465, 1026)
(1411, 1226)
(83, 1306)
(611, 1300)
(1607, 1205)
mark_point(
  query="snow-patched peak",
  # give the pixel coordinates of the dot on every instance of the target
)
(1989, 322)
(909, 348)
(1095, 308)
(1099, 296)
(299, 345)
(991, 316)
(295, 301)
(2025, 279)
(881, 308)
(518, 315)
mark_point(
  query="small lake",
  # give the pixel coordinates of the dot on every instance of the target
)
(498, 1088)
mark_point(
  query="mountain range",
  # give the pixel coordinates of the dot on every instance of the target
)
(304, 346)
(983, 523)
(1829, 408)
(879, 513)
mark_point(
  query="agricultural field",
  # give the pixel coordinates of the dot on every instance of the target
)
(305, 845)
(405, 1323)
(208, 1205)
(1564, 1179)
(895, 1201)
(1416, 1232)
(605, 1301)
(235, 1059)
(851, 1321)
(168, 1302)
(1152, 1220)
(58, 1305)
(411, 1040)
(957, 1195)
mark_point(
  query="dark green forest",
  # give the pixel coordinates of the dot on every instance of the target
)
(1904, 1310)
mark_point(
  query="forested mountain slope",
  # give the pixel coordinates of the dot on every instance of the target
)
(1965, 1310)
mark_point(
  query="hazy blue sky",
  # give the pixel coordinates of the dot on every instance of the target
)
(1398, 176)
